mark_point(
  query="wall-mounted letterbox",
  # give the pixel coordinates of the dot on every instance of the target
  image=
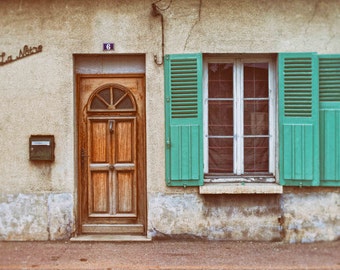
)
(41, 147)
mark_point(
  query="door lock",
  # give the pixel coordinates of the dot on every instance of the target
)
(111, 167)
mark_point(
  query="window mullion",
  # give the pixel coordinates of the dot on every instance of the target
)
(238, 121)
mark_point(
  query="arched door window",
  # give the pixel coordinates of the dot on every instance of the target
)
(112, 97)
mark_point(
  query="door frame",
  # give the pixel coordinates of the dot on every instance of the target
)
(141, 148)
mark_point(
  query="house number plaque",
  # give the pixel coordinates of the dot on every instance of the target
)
(24, 52)
(108, 47)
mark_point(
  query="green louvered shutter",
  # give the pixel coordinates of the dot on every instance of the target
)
(183, 120)
(298, 119)
(329, 87)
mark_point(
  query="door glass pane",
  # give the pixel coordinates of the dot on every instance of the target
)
(111, 99)
(125, 103)
(121, 100)
(256, 155)
(221, 155)
(101, 100)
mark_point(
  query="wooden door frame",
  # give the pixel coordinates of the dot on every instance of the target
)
(141, 172)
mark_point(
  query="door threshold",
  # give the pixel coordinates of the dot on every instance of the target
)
(110, 238)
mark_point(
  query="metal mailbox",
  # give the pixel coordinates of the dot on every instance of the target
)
(41, 147)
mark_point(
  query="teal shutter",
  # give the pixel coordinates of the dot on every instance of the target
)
(329, 87)
(299, 119)
(183, 120)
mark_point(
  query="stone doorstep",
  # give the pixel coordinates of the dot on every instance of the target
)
(109, 238)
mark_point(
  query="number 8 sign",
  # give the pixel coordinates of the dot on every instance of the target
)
(108, 47)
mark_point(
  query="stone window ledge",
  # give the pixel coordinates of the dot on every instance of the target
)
(240, 188)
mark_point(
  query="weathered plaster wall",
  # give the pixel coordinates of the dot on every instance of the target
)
(38, 201)
(36, 216)
(299, 215)
(311, 214)
(252, 26)
(236, 217)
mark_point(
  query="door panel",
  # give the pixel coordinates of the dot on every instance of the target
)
(99, 195)
(125, 192)
(111, 124)
(125, 141)
(98, 140)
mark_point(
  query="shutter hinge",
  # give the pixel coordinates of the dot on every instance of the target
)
(168, 143)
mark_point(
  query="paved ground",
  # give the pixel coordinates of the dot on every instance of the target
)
(169, 254)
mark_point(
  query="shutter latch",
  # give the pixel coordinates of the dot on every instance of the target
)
(168, 143)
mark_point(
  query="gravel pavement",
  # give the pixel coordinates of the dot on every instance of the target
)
(169, 254)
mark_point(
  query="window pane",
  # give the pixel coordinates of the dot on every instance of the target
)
(256, 117)
(220, 121)
(220, 80)
(256, 155)
(220, 155)
(255, 80)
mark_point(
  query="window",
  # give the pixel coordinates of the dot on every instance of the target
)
(225, 123)
(239, 117)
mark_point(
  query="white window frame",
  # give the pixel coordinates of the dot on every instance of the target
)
(238, 62)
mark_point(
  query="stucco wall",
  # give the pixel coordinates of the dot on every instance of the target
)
(299, 215)
(38, 201)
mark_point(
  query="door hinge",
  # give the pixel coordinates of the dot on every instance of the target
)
(83, 155)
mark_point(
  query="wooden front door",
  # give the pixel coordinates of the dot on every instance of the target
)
(111, 154)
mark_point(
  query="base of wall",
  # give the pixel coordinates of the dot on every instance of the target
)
(215, 217)
(36, 216)
(296, 216)
(301, 217)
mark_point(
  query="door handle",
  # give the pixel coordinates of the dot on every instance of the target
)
(111, 126)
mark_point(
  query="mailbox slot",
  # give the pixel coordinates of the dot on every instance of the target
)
(41, 147)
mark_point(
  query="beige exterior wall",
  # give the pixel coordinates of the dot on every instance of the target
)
(38, 92)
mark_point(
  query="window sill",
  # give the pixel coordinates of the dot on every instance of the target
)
(240, 188)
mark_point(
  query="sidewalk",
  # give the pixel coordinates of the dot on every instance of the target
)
(169, 254)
